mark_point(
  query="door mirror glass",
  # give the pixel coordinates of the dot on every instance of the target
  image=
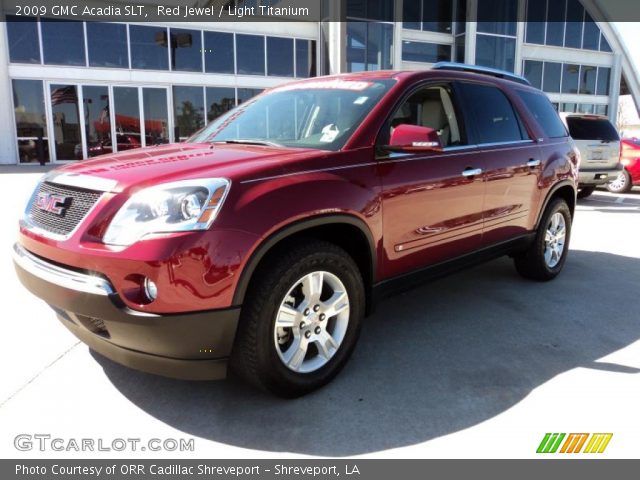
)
(414, 138)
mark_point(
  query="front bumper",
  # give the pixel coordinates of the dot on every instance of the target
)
(191, 346)
(598, 176)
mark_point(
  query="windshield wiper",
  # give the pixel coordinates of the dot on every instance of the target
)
(249, 141)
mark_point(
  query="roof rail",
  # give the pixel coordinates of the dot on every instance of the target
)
(494, 72)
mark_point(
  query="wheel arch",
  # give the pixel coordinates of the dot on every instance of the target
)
(347, 231)
(565, 190)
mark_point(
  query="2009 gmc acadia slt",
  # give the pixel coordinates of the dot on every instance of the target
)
(263, 241)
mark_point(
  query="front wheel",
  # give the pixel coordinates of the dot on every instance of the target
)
(300, 319)
(545, 257)
(620, 184)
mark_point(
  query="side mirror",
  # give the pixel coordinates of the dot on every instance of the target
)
(413, 138)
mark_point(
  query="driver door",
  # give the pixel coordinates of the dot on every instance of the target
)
(432, 201)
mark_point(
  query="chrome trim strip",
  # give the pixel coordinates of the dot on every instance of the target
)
(62, 277)
(82, 181)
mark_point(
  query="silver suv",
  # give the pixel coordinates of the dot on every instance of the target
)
(599, 145)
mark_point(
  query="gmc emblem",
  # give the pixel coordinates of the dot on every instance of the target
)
(52, 203)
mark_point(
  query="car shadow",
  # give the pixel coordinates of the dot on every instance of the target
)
(438, 359)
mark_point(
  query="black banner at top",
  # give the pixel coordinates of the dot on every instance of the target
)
(410, 11)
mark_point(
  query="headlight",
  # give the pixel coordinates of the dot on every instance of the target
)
(171, 207)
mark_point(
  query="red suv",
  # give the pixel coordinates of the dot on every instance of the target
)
(264, 240)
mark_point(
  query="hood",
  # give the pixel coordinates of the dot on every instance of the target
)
(149, 166)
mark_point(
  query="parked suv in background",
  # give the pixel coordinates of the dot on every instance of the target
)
(630, 160)
(265, 239)
(599, 145)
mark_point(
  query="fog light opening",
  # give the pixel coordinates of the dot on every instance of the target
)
(150, 289)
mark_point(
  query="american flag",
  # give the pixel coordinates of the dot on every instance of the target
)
(64, 95)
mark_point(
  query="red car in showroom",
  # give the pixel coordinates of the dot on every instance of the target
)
(263, 241)
(630, 160)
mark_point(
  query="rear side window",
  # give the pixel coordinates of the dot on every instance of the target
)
(494, 119)
(592, 128)
(540, 107)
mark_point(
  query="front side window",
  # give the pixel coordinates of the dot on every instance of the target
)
(494, 119)
(431, 107)
(321, 115)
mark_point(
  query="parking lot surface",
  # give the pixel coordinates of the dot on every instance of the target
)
(479, 364)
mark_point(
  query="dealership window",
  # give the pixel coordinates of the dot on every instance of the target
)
(127, 118)
(186, 50)
(245, 94)
(459, 48)
(535, 25)
(66, 122)
(381, 10)
(22, 37)
(533, 72)
(585, 108)
(570, 78)
(604, 78)
(280, 57)
(588, 79)
(250, 54)
(107, 45)
(188, 111)
(429, 15)
(496, 42)
(62, 42)
(574, 25)
(604, 45)
(369, 46)
(148, 47)
(591, 38)
(218, 52)
(156, 116)
(219, 100)
(425, 52)
(97, 119)
(305, 58)
(551, 78)
(602, 109)
(31, 121)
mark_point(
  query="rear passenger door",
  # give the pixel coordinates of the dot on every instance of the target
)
(511, 161)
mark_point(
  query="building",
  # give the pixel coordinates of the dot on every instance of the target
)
(71, 90)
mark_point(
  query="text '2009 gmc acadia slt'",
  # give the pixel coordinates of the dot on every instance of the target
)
(264, 240)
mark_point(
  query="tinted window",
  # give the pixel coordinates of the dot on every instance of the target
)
(425, 52)
(280, 56)
(588, 79)
(250, 54)
(107, 44)
(570, 76)
(494, 119)
(305, 58)
(218, 53)
(188, 106)
(22, 34)
(536, 12)
(496, 52)
(533, 72)
(604, 75)
(186, 50)
(148, 47)
(540, 107)
(219, 100)
(62, 42)
(585, 128)
(551, 81)
(31, 120)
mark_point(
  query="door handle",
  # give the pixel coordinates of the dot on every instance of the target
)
(533, 163)
(470, 172)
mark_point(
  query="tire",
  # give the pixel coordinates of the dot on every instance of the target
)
(621, 184)
(584, 192)
(538, 262)
(285, 289)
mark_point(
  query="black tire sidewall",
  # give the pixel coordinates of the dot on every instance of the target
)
(557, 206)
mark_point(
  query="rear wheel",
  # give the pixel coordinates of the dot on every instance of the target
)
(300, 319)
(584, 192)
(545, 257)
(620, 184)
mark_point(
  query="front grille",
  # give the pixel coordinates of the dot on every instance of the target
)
(74, 210)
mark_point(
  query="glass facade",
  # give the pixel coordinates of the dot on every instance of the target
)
(31, 121)
(553, 77)
(496, 37)
(413, 51)
(107, 45)
(369, 46)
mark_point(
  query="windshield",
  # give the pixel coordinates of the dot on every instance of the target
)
(319, 114)
(592, 128)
